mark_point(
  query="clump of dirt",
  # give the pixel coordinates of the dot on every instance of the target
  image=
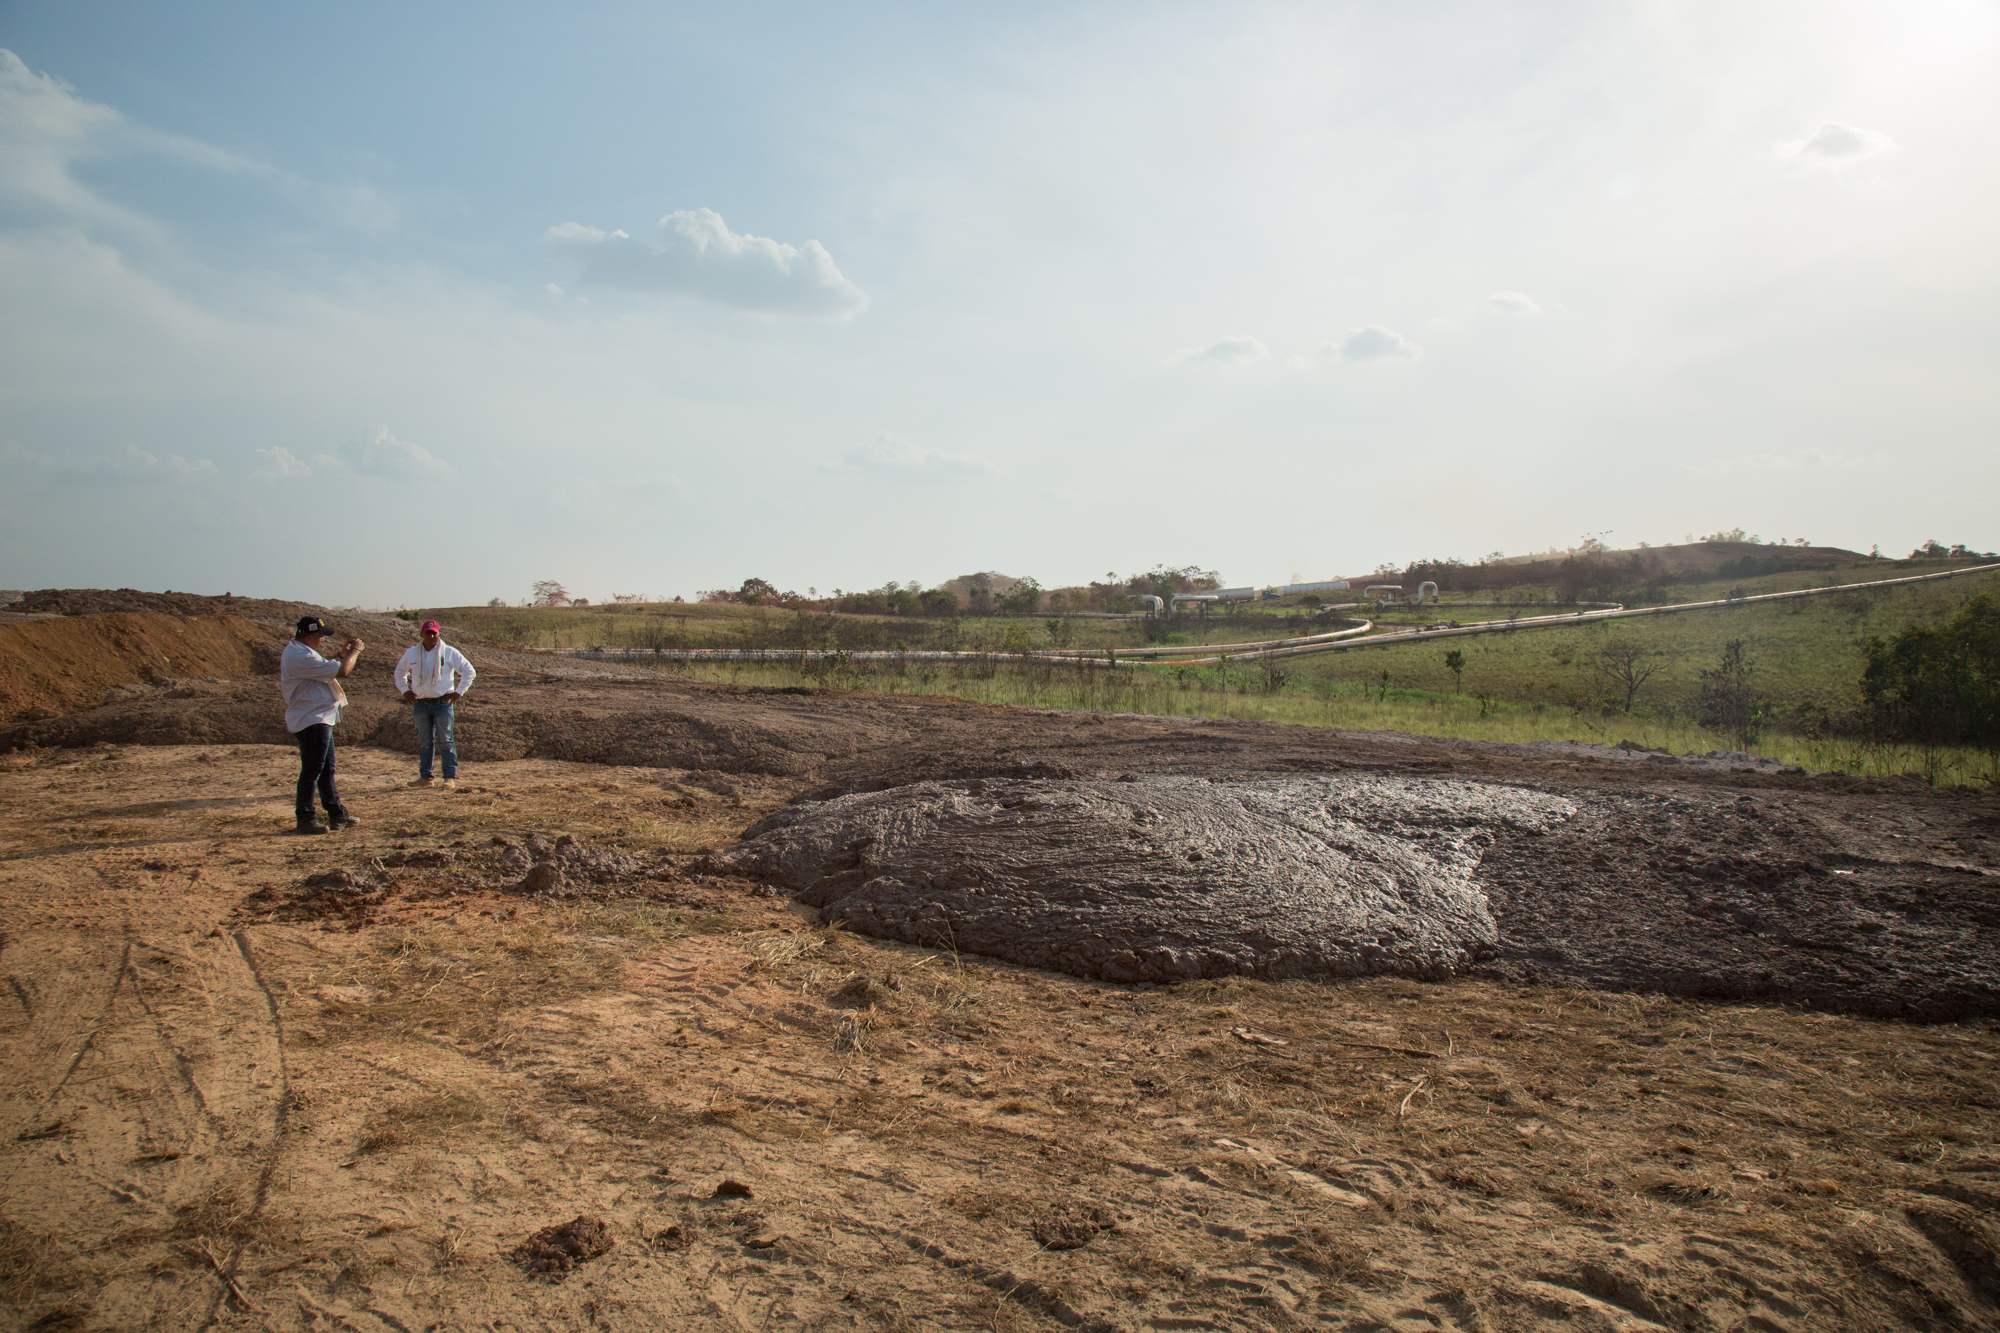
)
(671, 1239)
(861, 990)
(568, 868)
(1070, 1225)
(1161, 879)
(49, 667)
(556, 1250)
(430, 860)
(335, 898)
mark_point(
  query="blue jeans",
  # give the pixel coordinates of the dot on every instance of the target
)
(316, 770)
(434, 734)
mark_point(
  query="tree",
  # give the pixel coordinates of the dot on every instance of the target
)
(979, 594)
(1728, 700)
(548, 592)
(754, 591)
(1625, 665)
(1024, 598)
(1454, 662)
(1939, 685)
(498, 601)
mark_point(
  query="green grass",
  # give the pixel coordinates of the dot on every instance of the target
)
(1246, 693)
(1808, 654)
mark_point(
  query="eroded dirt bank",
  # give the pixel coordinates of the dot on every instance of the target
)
(266, 1082)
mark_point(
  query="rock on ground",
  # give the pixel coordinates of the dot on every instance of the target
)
(1160, 879)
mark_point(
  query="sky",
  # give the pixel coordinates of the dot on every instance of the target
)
(392, 305)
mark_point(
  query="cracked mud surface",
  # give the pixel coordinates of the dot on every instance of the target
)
(240, 1099)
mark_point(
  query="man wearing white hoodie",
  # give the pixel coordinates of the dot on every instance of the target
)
(433, 676)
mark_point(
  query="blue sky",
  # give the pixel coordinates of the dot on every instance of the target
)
(418, 304)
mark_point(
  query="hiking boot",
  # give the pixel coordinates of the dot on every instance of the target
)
(344, 820)
(311, 826)
(451, 784)
(424, 782)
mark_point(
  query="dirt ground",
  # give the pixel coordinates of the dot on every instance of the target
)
(367, 1081)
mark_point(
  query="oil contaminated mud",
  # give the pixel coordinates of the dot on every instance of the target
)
(1161, 879)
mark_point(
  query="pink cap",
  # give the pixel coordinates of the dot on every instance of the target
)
(430, 625)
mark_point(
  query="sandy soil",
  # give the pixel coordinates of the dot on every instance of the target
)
(270, 1082)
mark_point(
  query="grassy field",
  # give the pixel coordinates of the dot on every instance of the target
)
(1806, 659)
(1248, 693)
(679, 625)
(1807, 655)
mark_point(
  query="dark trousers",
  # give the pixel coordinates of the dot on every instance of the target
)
(316, 770)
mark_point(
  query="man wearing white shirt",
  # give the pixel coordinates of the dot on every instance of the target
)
(433, 676)
(313, 699)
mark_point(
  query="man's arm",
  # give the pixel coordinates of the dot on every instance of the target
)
(406, 667)
(348, 657)
(466, 674)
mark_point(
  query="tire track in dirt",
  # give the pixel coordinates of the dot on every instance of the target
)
(144, 1112)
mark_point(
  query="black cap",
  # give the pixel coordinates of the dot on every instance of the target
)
(310, 625)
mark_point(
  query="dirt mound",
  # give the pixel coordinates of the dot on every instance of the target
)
(57, 666)
(99, 601)
(1160, 880)
(1693, 559)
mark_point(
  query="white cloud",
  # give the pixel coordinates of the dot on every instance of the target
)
(1834, 145)
(1233, 351)
(1375, 343)
(694, 253)
(893, 458)
(1514, 303)
(129, 466)
(381, 454)
(285, 464)
(45, 128)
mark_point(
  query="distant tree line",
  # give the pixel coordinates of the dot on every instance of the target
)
(979, 594)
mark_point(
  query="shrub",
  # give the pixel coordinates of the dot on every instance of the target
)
(1939, 685)
(1728, 700)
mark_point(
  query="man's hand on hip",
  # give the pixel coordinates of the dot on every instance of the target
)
(409, 696)
(453, 697)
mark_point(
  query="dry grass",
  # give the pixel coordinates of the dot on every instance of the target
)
(429, 1117)
(31, 1264)
(224, 1214)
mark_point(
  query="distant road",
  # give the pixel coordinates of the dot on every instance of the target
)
(1427, 633)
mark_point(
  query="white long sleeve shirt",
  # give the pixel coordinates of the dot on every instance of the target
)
(312, 692)
(434, 672)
